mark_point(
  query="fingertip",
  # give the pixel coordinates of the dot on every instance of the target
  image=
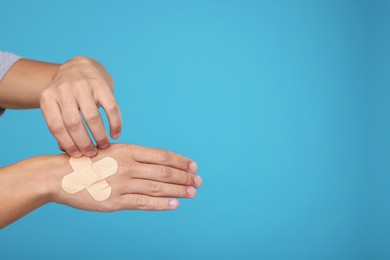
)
(76, 154)
(173, 203)
(198, 181)
(103, 143)
(104, 146)
(191, 191)
(91, 153)
(115, 135)
(193, 166)
(115, 131)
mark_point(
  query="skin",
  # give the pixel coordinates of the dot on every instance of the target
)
(66, 93)
(147, 179)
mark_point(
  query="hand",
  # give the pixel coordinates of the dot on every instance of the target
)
(147, 179)
(80, 85)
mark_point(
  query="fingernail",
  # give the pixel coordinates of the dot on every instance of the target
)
(91, 153)
(191, 191)
(193, 166)
(173, 204)
(115, 136)
(104, 146)
(198, 180)
(77, 154)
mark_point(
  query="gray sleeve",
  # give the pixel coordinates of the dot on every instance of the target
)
(6, 61)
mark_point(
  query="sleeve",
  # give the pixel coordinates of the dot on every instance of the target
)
(7, 60)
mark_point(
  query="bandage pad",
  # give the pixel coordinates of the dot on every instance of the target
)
(91, 176)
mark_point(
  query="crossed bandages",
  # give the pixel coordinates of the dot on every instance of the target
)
(91, 176)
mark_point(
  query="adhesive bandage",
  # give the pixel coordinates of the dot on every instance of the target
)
(91, 176)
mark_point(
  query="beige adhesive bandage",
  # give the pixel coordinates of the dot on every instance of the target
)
(90, 176)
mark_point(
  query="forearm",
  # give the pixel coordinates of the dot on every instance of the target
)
(26, 185)
(23, 84)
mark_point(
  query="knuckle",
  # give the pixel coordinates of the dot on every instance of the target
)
(164, 172)
(162, 155)
(159, 204)
(141, 201)
(82, 59)
(56, 127)
(127, 164)
(127, 147)
(154, 187)
(73, 122)
(45, 96)
(96, 81)
(63, 89)
(80, 84)
(92, 117)
(112, 108)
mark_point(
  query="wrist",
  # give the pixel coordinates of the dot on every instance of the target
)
(47, 172)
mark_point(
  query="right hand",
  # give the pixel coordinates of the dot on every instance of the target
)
(78, 88)
(147, 179)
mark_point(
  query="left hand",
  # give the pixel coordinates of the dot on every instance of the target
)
(147, 179)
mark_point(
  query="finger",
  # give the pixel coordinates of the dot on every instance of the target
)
(93, 119)
(52, 114)
(107, 101)
(163, 157)
(165, 174)
(159, 189)
(75, 126)
(144, 202)
(60, 147)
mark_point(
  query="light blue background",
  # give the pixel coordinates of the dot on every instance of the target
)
(285, 105)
